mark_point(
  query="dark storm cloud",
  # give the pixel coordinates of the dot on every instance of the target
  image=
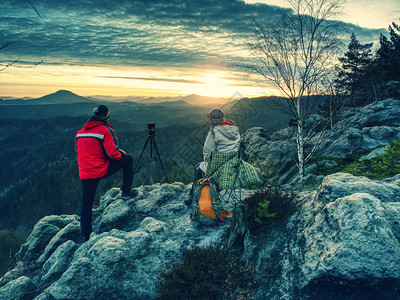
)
(127, 32)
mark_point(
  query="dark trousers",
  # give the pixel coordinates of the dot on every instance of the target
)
(89, 187)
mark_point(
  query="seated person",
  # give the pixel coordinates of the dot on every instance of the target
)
(223, 137)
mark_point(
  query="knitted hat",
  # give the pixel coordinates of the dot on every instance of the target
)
(216, 116)
(102, 112)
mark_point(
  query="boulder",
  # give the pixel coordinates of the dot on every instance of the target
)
(274, 156)
(41, 238)
(342, 243)
(131, 243)
(18, 289)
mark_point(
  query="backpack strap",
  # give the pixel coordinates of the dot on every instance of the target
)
(213, 192)
(215, 201)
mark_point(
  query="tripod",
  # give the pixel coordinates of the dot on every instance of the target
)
(153, 145)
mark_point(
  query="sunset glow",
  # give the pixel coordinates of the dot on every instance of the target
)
(132, 49)
(122, 81)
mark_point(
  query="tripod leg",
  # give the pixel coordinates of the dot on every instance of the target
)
(151, 145)
(152, 141)
(159, 158)
(144, 147)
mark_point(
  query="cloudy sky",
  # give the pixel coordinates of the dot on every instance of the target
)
(146, 47)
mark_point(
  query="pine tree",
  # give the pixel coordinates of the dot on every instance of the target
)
(388, 55)
(352, 75)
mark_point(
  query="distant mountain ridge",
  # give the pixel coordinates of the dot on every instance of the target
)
(61, 97)
(192, 99)
(244, 112)
(68, 97)
(68, 104)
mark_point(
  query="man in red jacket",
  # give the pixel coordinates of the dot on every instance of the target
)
(98, 157)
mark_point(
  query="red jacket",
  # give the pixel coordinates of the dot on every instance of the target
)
(95, 144)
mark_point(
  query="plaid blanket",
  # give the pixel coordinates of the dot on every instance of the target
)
(227, 171)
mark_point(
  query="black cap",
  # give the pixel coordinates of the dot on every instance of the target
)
(216, 115)
(101, 111)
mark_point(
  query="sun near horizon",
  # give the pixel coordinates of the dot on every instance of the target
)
(100, 48)
(121, 81)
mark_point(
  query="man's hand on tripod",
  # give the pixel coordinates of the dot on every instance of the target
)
(122, 151)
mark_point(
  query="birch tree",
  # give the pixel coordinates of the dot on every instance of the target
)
(296, 53)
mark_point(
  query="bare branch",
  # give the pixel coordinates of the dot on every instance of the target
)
(5, 45)
(14, 65)
(34, 8)
(296, 54)
(9, 64)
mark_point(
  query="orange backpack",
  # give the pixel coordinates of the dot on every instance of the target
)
(206, 207)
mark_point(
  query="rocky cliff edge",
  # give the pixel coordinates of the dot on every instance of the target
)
(342, 242)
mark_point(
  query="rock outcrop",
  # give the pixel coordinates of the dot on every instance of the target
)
(361, 128)
(131, 243)
(342, 243)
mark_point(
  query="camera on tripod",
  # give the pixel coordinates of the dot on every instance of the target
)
(153, 147)
(152, 128)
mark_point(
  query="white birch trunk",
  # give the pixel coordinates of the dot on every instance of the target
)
(300, 148)
(300, 140)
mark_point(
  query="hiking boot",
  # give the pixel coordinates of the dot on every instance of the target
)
(131, 194)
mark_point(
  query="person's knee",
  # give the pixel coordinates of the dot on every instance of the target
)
(129, 159)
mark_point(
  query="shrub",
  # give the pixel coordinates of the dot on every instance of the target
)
(348, 164)
(267, 208)
(206, 273)
(379, 167)
(263, 215)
